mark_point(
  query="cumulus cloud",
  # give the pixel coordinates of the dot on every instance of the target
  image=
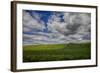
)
(55, 25)
(74, 27)
(64, 27)
(30, 23)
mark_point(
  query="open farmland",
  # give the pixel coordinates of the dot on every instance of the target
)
(56, 52)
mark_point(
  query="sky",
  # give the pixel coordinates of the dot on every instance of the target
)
(51, 27)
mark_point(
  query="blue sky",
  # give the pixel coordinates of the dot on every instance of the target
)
(47, 27)
(44, 16)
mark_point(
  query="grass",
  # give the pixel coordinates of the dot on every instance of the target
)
(56, 52)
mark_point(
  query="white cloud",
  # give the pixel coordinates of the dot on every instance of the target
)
(55, 25)
(66, 17)
(26, 29)
(72, 30)
(44, 38)
(74, 27)
(30, 23)
(86, 18)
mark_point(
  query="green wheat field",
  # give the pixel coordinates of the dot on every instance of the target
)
(56, 52)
